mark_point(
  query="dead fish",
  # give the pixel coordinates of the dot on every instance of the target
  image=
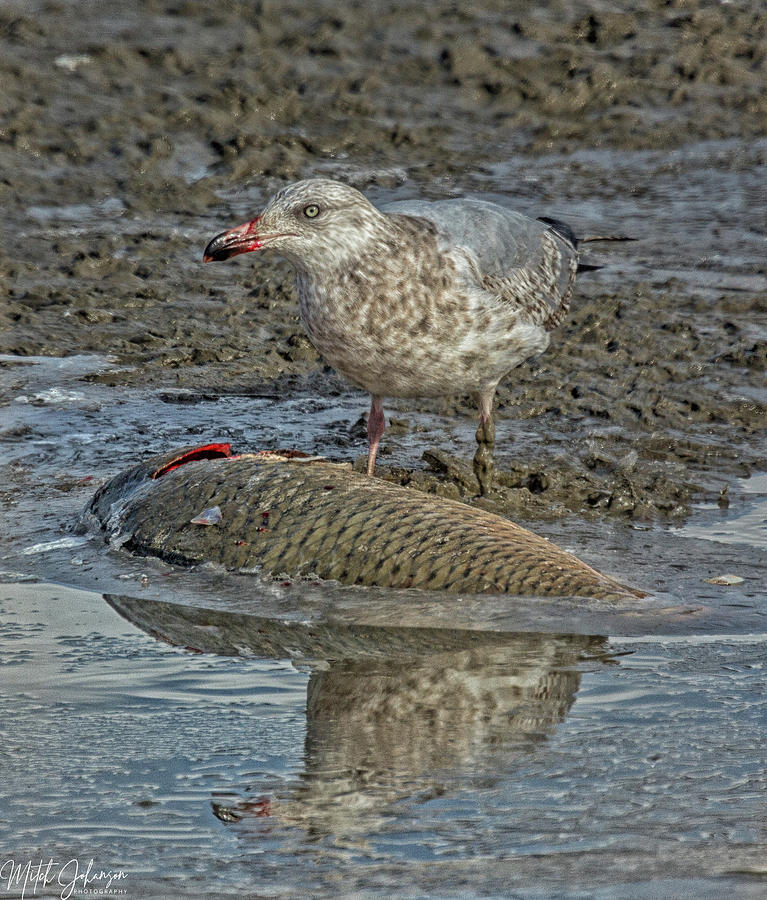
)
(284, 515)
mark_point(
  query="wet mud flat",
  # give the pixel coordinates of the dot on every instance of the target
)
(579, 748)
(454, 763)
(133, 135)
(320, 739)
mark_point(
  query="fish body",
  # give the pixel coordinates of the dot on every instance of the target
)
(293, 517)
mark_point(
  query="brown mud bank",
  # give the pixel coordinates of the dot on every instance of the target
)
(132, 135)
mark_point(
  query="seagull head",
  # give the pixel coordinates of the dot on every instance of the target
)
(316, 223)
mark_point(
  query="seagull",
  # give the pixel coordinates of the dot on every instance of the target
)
(416, 298)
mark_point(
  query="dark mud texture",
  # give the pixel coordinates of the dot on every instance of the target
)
(131, 133)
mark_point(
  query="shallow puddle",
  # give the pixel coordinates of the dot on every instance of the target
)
(288, 736)
(491, 762)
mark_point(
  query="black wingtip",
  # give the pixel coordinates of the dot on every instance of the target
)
(561, 228)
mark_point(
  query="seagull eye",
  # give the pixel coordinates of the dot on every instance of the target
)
(311, 211)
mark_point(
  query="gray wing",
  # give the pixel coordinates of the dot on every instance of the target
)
(525, 262)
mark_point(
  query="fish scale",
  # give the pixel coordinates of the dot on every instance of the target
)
(321, 519)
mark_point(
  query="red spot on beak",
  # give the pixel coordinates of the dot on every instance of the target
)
(241, 239)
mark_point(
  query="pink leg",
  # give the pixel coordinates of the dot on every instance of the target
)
(485, 403)
(376, 425)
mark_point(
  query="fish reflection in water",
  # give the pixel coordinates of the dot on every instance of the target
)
(443, 705)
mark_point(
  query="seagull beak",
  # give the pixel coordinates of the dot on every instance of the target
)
(241, 239)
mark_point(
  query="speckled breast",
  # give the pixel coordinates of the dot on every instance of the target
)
(407, 328)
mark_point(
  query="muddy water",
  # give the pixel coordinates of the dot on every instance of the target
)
(364, 742)
(305, 737)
